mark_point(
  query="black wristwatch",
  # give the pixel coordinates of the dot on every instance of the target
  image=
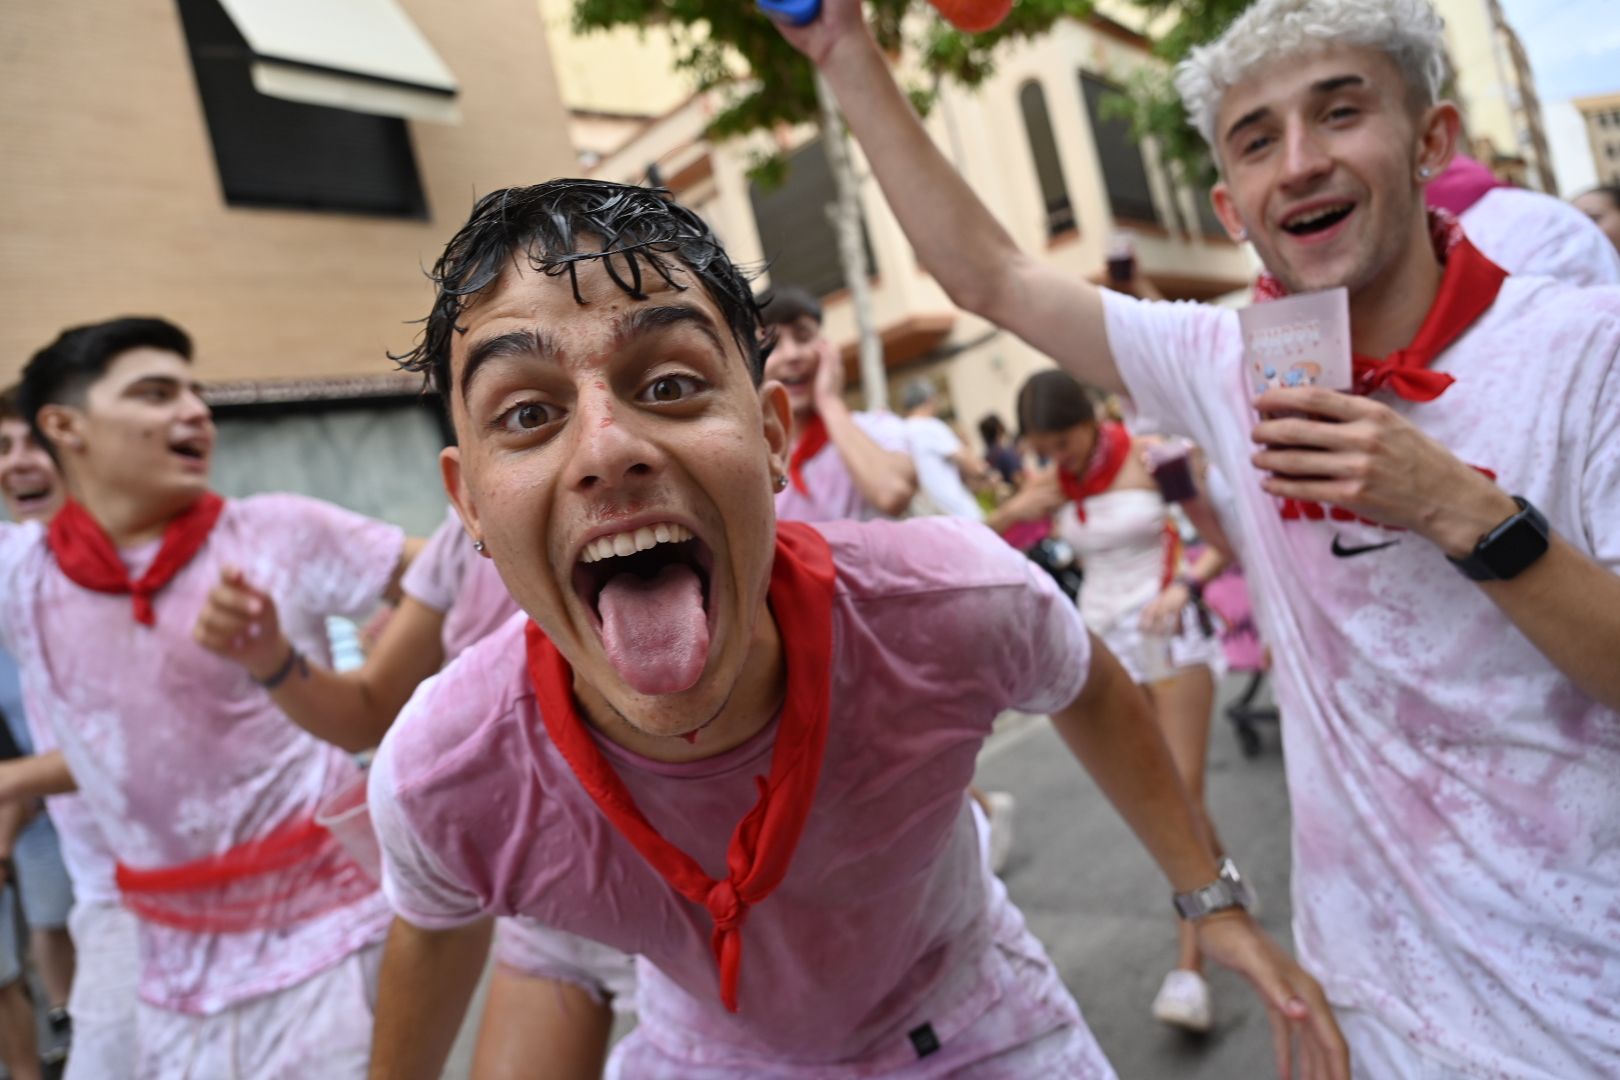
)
(1509, 549)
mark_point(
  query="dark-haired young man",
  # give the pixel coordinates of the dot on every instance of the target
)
(256, 930)
(735, 747)
(843, 464)
(34, 849)
(1453, 728)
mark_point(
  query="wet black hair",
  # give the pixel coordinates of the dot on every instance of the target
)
(561, 223)
(1053, 401)
(787, 304)
(61, 372)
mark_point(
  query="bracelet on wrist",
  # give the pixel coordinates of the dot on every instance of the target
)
(295, 659)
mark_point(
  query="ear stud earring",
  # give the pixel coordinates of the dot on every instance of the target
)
(1424, 172)
(781, 482)
(478, 546)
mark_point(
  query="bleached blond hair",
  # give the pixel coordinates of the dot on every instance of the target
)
(1407, 31)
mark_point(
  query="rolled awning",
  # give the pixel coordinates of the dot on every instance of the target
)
(363, 55)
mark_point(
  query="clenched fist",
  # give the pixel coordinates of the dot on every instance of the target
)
(240, 623)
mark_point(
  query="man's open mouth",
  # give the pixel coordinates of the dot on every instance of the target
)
(194, 447)
(28, 495)
(649, 590)
(1317, 219)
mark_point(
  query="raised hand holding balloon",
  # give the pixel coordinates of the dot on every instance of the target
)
(968, 16)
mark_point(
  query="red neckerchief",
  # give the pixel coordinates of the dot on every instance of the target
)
(801, 594)
(810, 444)
(87, 556)
(1107, 458)
(1468, 288)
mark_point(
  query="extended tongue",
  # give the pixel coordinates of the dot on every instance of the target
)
(654, 630)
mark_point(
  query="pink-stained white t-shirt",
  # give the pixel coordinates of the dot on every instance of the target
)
(1456, 799)
(832, 494)
(448, 576)
(178, 754)
(1529, 233)
(884, 920)
(86, 854)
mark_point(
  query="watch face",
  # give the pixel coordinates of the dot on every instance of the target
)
(1516, 546)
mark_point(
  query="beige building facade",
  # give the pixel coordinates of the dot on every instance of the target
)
(1602, 117)
(1034, 142)
(114, 199)
(1502, 115)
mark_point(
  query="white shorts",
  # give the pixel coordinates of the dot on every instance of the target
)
(319, 1028)
(102, 1002)
(1151, 658)
(533, 949)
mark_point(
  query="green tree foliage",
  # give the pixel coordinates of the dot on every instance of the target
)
(1150, 101)
(731, 46)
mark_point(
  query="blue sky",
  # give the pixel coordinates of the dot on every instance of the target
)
(1574, 45)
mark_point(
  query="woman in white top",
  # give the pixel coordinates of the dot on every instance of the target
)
(1139, 595)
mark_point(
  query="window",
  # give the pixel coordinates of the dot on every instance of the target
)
(271, 152)
(1048, 166)
(1124, 171)
(798, 237)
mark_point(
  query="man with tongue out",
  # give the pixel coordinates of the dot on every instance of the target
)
(257, 932)
(1453, 727)
(736, 747)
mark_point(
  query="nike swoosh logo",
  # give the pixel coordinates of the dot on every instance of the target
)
(1346, 552)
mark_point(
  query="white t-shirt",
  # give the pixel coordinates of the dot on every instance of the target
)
(933, 444)
(178, 754)
(1526, 232)
(1456, 799)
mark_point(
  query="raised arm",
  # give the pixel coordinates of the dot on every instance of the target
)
(352, 709)
(955, 236)
(1111, 730)
(886, 479)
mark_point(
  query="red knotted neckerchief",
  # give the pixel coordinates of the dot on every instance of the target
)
(810, 444)
(1107, 458)
(801, 594)
(1468, 288)
(87, 556)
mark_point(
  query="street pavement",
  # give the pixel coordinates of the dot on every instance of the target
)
(1096, 900)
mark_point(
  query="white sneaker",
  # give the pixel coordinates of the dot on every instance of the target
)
(1002, 806)
(1183, 1001)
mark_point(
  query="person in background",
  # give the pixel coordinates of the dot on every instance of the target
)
(943, 461)
(1002, 458)
(1602, 205)
(845, 464)
(1524, 232)
(33, 844)
(257, 931)
(1141, 597)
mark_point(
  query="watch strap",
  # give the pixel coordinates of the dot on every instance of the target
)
(1218, 895)
(1509, 549)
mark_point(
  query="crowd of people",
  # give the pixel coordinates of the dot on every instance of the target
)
(678, 710)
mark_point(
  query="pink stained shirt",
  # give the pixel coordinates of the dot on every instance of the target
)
(832, 494)
(178, 754)
(1456, 813)
(454, 580)
(884, 921)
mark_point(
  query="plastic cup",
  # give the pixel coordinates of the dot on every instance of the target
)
(345, 815)
(1170, 464)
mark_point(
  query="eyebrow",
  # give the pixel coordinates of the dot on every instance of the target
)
(1318, 88)
(525, 342)
(536, 343)
(169, 381)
